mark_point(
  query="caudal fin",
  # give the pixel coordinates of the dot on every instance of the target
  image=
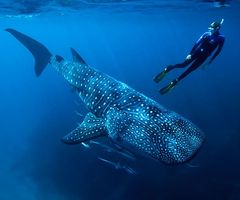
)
(41, 54)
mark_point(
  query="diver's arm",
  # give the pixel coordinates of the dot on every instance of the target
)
(219, 48)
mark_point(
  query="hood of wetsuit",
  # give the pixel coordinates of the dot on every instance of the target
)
(214, 26)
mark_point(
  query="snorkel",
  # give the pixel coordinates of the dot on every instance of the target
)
(221, 21)
(215, 26)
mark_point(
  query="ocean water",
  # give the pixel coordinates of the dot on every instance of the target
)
(131, 41)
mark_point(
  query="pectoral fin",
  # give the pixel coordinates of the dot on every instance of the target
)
(91, 127)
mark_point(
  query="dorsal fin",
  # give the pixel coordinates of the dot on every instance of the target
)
(76, 57)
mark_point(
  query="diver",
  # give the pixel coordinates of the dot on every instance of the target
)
(202, 49)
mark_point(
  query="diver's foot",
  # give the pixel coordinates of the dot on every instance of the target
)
(168, 88)
(160, 76)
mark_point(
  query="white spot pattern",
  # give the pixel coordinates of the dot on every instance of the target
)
(131, 117)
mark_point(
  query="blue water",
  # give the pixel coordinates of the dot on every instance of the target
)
(131, 41)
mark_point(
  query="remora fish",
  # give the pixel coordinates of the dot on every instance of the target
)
(115, 149)
(116, 110)
(118, 165)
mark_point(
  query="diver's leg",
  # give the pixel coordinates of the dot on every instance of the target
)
(179, 65)
(173, 83)
(193, 67)
(167, 69)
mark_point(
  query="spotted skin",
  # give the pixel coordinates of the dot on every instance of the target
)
(131, 118)
(125, 115)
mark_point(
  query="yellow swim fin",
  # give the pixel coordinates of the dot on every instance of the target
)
(167, 88)
(160, 76)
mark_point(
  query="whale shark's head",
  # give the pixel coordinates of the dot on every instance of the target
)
(165, 136)
(176, 139)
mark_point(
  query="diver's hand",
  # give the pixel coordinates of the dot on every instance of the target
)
(188, 57)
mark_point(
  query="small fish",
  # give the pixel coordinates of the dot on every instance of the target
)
(117, 150)
(192, 166)
(130, 170)
(79, 114)
(86, 145)
(119, 166)
(109, 162)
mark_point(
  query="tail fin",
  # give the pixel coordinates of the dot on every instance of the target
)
(41, 53)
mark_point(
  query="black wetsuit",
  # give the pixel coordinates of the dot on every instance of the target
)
(203, 48)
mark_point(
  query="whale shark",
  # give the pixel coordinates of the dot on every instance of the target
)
(127, 117)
